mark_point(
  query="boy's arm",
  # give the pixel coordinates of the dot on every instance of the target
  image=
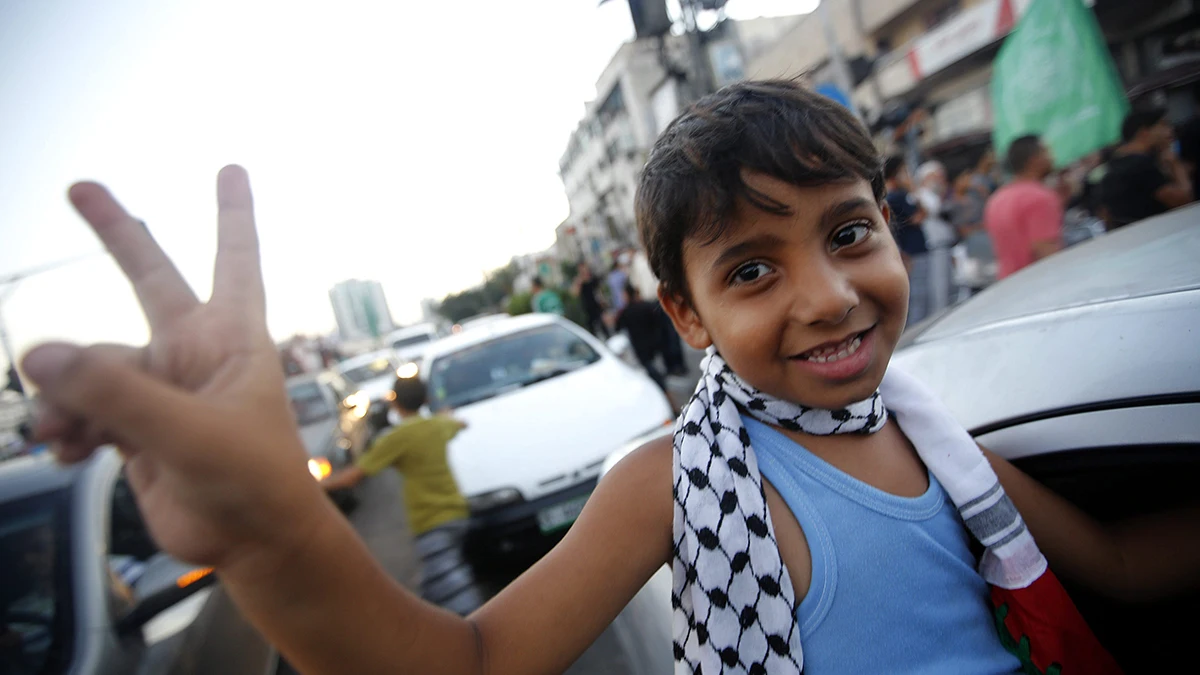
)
(343, 478)
(1126, 560)
(540, 623)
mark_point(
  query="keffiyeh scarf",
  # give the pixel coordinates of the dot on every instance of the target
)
(733, 601)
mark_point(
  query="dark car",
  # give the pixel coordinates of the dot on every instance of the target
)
(1084, 371)
(334, 425)
(83, 589)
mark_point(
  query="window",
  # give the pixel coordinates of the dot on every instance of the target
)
(506, 364)
(309, 403)
(411, 340)
(36, 621)
(380, 367)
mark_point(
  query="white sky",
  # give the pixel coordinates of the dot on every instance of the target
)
(416, 143)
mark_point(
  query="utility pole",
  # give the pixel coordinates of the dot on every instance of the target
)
(841, 71)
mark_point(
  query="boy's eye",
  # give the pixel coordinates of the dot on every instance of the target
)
(851, 234)
(750, 272)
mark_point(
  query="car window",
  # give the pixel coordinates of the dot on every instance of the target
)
(505, 364)
(309, 403)
(411, 340)
(36, 622)
(380, 367)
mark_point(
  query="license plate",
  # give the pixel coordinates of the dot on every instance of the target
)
(560, 515)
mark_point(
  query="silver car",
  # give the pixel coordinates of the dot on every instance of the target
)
(1084, 371)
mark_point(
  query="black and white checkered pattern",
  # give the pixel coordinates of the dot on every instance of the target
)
(734, 605)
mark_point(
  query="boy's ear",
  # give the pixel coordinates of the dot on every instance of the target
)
(886, 211)
(687, 322)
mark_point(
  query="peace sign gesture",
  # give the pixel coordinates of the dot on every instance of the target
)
(200, 412)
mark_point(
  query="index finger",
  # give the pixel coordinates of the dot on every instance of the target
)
(238, 275)
(161, 290)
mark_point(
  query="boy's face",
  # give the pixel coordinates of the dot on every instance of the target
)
(806, 307)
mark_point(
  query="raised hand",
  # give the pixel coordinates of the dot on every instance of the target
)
(200, 412)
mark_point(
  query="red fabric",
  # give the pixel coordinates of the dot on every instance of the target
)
(1019, 214)
(1047, 633)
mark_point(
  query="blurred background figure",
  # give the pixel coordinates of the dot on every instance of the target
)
(1145, 177)
(975, 260)
(907, 217)
(940, 236)
(643, 321)
(587, 287)
(545, 301)
(1024, 218)
(617, 280)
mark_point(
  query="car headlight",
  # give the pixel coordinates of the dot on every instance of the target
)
(319, 467)
(493, 499)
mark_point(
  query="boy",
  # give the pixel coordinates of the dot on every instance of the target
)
(437, 511)
(762, 210)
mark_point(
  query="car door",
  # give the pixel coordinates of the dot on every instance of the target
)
(1119, 461)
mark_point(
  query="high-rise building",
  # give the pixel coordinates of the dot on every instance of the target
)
(361, 310)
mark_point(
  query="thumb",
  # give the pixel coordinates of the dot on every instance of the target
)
(106, 387)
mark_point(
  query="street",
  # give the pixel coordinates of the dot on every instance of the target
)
(380, 521)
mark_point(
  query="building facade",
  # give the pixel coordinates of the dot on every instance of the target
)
(645, 86)
(360, 309)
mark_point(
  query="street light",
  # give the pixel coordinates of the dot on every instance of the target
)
(12, 281)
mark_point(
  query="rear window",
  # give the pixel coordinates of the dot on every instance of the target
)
(378, 368)
(505, 364)
(35, 598)
(309, 403)
(411, 340)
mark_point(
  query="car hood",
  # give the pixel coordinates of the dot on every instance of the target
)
(318, 437)
(557, 433)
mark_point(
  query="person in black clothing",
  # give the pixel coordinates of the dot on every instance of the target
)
(642, 320)
(907, 216)
(587, 287)
(1144, 177)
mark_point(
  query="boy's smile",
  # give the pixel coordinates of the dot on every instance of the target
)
(806, 306)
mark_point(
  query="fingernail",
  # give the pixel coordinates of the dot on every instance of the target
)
(45, 363)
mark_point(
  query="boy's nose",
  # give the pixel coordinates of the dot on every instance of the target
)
(823, 295)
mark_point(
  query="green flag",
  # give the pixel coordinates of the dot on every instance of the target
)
(1054, 77)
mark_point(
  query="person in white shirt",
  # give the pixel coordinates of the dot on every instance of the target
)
(940, 236)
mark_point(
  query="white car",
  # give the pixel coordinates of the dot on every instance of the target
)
(411, 343)
(545, 403)
(372, 375)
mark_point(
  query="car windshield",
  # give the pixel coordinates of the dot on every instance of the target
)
(380, 367)
(309, 404)
(35, 626)
(505, 364)
(411, 340)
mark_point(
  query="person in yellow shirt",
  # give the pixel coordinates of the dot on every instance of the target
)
(437, 510)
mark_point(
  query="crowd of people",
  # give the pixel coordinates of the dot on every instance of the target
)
(960, 233)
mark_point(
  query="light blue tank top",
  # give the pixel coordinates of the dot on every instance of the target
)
(894, 587)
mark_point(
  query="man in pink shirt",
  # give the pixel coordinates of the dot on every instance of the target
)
(1024, 218)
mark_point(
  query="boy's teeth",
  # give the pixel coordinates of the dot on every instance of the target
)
(835, 353)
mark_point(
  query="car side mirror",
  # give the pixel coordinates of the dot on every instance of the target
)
(187, 585)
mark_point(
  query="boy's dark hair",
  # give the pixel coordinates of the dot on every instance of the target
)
(537, 282)
(1022, 151)
(1140, 119)
(410, 393)
(693, 181)
(892, 167)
